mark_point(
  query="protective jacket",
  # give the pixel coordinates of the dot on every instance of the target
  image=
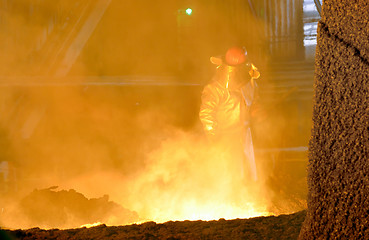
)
(226, 105)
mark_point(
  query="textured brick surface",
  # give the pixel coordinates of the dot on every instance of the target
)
(338, 174)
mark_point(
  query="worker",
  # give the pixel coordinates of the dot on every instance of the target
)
(226, 107)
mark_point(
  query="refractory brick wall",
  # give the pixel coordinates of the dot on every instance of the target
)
(338, 172)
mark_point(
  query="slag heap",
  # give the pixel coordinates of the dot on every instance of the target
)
(48, 208)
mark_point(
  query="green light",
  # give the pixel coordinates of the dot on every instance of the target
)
(188, 11)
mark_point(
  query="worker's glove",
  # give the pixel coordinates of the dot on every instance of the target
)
(209, 130)
(254, 72)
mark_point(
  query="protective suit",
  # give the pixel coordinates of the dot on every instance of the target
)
(225, 110)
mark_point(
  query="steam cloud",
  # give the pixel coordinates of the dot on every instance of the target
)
(134, 143)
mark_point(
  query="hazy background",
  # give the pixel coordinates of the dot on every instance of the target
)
(103, 97)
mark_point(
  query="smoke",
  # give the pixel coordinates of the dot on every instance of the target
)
(101, 141)
(80, 125)
(141, 146)
(184, 178)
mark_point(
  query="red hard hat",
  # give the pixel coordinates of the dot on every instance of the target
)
(235, 56)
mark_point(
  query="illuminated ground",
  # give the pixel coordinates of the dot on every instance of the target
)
(281, 227)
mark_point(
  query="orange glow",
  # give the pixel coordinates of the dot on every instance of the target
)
(193, 210)
(104, 98)
(186, 179)
(183, 179)
(89, 225)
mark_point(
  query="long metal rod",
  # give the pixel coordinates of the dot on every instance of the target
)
(252, 8)
(318, 7)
